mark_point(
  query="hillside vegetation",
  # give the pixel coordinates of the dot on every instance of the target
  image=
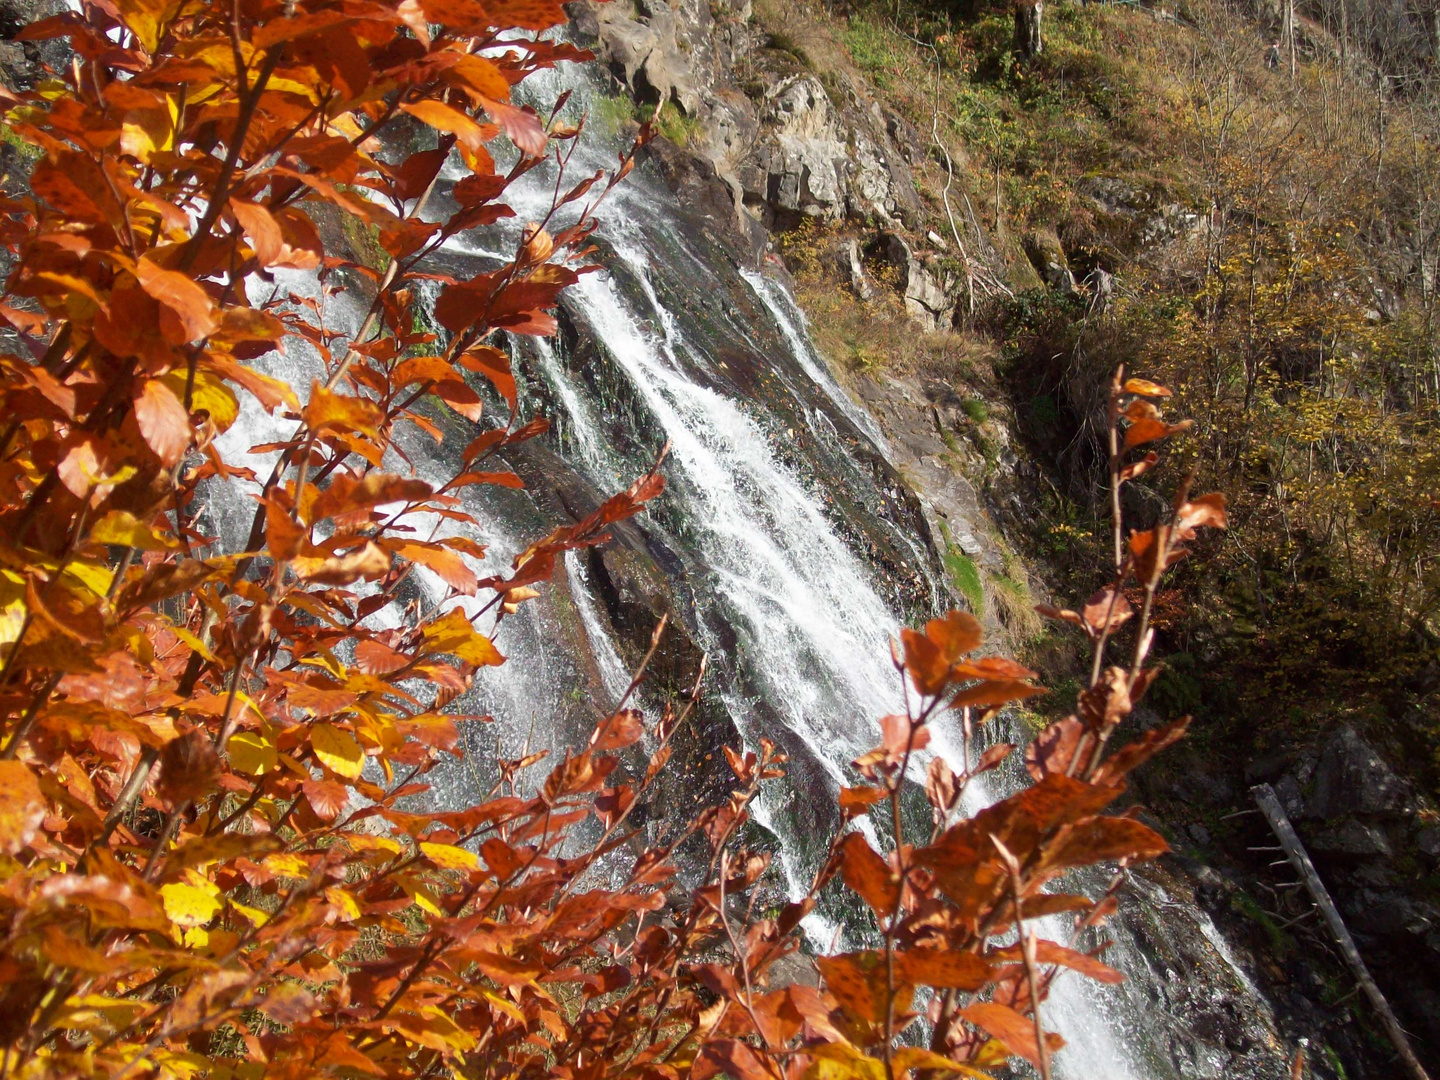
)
(1268, 244)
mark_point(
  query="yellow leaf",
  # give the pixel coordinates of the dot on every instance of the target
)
(252, 753)
(343, 902)
(208, 393)
(914, 1057)
(147, 18)
(87, 578)
(505, 1005)
(255, 915)
(453, 634)
(287, 865)
(422, 897)
(187, 905)
(365, 842)
(450, 858)
(123, 528)
(337, 750)
(195, 644)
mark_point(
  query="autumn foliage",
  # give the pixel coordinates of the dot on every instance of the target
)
(212, 758)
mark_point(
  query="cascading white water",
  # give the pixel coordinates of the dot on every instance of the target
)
(808, 618)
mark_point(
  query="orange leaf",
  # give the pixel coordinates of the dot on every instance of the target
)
(853, 800)
(444, 563)
(1015, 1031)
(328, 411)
(1105, 839)
(858, 982)
(928, 668)
(187, 312)
(1208, 511)
(163, 421)
(1147, 430)
(444, 118)
(22, 807)
(948, 969)
(495, 366)
(955, 633)
(261, 229)
(988, 694)
(1146, 387)
(867, 874)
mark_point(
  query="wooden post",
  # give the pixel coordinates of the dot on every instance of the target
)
(1300, 859)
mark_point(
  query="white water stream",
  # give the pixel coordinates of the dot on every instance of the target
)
(811, 628)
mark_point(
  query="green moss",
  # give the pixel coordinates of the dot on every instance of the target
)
(614, 114)
(28, 151)
(782, 42)
(965, 576)
(976, 410)
(674, 125)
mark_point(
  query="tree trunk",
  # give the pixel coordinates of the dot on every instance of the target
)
(1287, 33)
(1269, 804)
(1028, 13)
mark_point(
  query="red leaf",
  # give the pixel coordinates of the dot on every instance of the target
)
(618, 731)
(495, 366)
(522, 125)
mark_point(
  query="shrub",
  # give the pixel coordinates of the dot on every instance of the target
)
(213, 853)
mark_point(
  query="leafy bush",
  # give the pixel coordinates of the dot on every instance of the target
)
(216, 854)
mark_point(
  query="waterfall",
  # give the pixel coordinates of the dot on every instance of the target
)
(798, 559)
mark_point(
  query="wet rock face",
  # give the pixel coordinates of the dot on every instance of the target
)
(22, 62)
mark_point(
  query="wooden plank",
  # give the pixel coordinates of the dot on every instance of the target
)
(1299, 858)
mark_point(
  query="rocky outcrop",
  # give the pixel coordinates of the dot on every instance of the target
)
(786, 146)
(1043, 249)
(930, 291)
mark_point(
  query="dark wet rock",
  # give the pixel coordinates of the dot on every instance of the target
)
(1351, 837)
(24, 62)
(1352, 778)
(1428, 841)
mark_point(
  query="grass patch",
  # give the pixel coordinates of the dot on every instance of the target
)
(976, 410)
(673, 124)
(965, 576)
(614, 114)
(1281, 943)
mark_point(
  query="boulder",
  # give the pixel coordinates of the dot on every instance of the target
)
(1043, 249)
(1111, 195)
(1352, 837)
(929, 298)
(1352, 778)
(859, 283)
